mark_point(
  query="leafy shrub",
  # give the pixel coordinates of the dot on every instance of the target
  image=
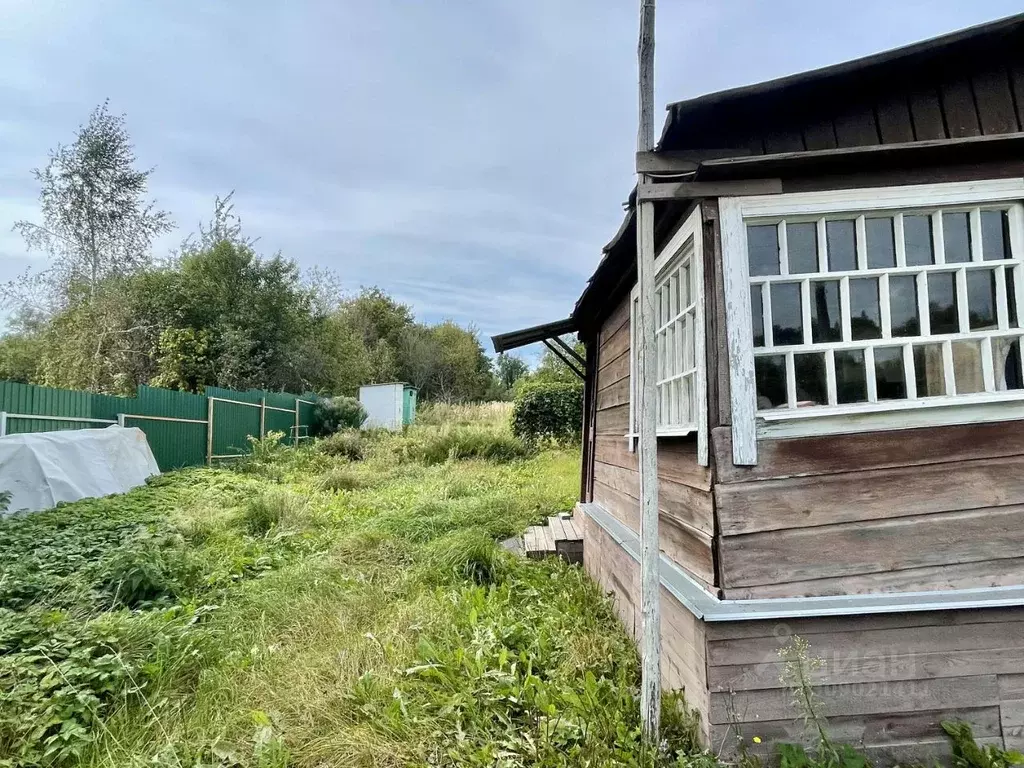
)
(548, 410)
(145, 571)
(332, 414)
(440, 445)
(347, 444)
(967, 753)
(273, 508)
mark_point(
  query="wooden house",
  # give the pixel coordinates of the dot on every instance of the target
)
(840, 308)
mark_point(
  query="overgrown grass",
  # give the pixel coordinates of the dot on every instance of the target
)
(307, 609)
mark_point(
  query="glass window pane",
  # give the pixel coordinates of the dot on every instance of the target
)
(995, 235)
(881, 243)
(842, 248)
(1011, 296)
(811, 386)
(942, 303)
(956, 232)
(1007, 363)
(928, 371)
(981, 298)
(770, 377)
(917, 239)
(802, 246)
(903, 305)
(688, 347)
(890, 378)
(865, 315)
(851, 383)
(967, 367)
(787, 316)
(685, 288)
(763, 249)
(826, 321)
(757, 315)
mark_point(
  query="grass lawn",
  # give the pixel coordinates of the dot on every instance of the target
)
(311, 608)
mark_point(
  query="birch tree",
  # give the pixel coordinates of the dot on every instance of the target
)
(96, 222)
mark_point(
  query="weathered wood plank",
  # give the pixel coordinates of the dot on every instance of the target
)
(687, 546)
(783, 141)
(856, 127)
(872, 730)
(614, 395)
(849, 700)
(690, 506)
(1011, 686)
(807, 456)
(687, 190)
(742, 393)
(989, 573)
(926, 112)
(820, 135)
(877, 494)
(677, 460)
(614, 321)
(856, 668)
(736, 630)
(613, 421)
(958, 108)
(995, 102)
(1013, 713)
(874, 643)
(719, 343)
(616, 344)
(877, 547)
(1017, 85)
(613, 371)
(557, 529)
(894, 123)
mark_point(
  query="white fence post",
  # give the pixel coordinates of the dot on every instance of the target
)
(120, 420)
(263, 417)
(3, 423)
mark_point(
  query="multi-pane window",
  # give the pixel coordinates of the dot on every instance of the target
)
(675, 312)
(886, 306)
(679, 370)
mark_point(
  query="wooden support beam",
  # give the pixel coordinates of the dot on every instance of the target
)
(569, 351)
(561, 356)
(685, 190)
(650, 550)
(682, 161)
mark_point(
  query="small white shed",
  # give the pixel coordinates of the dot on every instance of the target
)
(391, 405)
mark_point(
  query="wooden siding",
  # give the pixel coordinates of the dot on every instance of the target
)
(885, 683)
(909, 510)
(959, 97)
(685, 498)
(683, 657)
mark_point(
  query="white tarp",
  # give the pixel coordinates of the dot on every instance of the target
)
(43, 468)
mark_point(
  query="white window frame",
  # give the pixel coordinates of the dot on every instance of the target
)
(688, 236)
(747, 423)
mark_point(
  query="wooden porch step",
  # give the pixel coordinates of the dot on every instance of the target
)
(560, 537)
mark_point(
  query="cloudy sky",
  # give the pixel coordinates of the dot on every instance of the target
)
(468, 156)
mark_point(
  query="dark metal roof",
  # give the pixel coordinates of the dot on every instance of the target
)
(513, 339)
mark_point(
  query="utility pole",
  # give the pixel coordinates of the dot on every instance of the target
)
(650, 590)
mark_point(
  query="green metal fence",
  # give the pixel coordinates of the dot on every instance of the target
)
(183, 429)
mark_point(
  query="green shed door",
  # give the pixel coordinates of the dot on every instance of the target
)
(408, 405)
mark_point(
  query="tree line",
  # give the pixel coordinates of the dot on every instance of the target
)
(107, 315)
